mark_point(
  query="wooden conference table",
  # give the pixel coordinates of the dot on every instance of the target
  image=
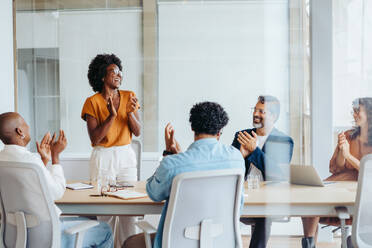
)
(271, 199)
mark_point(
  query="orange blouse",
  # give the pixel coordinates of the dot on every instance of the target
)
(347, 172)
(119, 133)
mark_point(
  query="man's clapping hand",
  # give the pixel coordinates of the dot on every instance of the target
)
(171, 143)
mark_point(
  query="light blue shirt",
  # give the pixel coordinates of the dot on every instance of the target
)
(204, 154)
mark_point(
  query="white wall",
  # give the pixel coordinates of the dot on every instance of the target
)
(6, 61)
(225, 52)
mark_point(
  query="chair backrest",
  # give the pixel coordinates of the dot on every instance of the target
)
(23, 190)
(137, 147)
(204, 210)
(362, 218)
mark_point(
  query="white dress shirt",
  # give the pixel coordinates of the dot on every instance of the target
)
(54, 175)
(253, 169)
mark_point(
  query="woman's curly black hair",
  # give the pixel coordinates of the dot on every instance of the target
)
(97, 69)
(367, 103)
(208, 118)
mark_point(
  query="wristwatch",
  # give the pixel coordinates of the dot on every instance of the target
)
(166, 153)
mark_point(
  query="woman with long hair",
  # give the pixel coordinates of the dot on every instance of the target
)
(352, 145)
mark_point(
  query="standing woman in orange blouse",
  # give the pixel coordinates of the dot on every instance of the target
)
(112, 117)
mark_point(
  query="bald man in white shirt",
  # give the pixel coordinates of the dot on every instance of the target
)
(15, 134)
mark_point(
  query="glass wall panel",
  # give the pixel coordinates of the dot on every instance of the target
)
(352, 58)
(232, 52)
(225, 51)
(56, 41)
(176, 53)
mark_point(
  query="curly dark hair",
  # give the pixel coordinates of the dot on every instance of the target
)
(367, 103)
(97, 69)
(208, 118)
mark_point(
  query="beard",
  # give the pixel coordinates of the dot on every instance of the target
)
(257, 122)
(257, 125)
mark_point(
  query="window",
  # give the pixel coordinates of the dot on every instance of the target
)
(38, 77)
(352, 57)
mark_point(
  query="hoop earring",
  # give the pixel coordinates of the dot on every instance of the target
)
(22, 137)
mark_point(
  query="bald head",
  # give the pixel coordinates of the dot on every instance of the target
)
(13, 129)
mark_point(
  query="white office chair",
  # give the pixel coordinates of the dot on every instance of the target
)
(203, 211)
(29, 218)
(137, 147)
(362, 219)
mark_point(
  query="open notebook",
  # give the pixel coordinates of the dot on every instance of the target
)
(126, 194)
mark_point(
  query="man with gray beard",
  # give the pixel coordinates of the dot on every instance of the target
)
(266, 152)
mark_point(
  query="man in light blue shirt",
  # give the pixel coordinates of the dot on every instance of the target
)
(206, 153)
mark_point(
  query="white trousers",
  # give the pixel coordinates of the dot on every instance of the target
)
(113, 160)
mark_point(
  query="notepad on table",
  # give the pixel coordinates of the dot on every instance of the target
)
(126, 194)
(76, 186)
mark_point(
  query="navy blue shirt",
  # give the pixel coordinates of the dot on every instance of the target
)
(275, 155)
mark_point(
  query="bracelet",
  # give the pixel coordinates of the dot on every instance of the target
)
(166, 153)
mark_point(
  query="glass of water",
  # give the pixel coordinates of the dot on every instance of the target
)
(250, 181)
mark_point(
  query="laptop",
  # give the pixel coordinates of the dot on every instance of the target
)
(305, 175)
